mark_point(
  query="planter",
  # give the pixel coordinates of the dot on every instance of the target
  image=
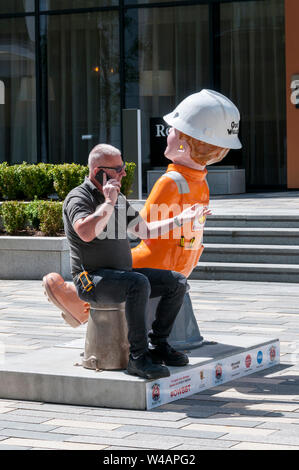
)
(33, 257)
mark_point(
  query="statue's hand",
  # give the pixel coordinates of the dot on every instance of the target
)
(190, 213)
(206, 211)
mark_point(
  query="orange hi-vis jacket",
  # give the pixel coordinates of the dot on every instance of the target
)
(180, 249)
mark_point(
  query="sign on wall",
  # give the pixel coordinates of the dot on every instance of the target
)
(158, 141)
(295, 90)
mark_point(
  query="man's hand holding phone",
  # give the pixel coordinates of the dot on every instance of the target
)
(111, 189)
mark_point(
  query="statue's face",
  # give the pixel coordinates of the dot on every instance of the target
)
(197, 156)
(173, 145)
(178, 150)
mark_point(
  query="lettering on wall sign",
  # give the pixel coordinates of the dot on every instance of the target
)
(159, 131)
(295, 92)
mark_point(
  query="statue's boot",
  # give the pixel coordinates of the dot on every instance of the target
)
(64, 295)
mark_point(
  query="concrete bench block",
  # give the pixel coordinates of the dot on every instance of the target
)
(34, 257)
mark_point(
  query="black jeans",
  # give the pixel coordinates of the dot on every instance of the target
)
(135, 288)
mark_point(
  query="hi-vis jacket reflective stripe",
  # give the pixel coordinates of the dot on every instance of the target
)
(177, 189)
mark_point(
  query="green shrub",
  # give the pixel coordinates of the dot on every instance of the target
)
(68, 176)
(127, 181)
(39, 181)
(31, 211)
(36, 180)
(50, 216)
(9, 181)
(13, 216)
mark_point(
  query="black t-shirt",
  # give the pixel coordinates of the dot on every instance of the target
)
(111, 249)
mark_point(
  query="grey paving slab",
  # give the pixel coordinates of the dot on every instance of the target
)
(174, 432)
(277, 438)
(112, 448)
(291, 429)
(25, 426)
(48, 436)
(126, 420)
(197, 447)
(29, 407)
(151, 442)
(21, 419)
(83, 431)
(137, 442)
(172, 440)
(237, 422)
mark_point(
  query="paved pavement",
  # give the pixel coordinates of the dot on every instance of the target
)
(260, 411)
(277, 203)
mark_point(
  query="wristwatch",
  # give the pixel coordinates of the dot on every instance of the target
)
(177, 222)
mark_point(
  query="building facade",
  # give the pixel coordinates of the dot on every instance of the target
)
(69, 67)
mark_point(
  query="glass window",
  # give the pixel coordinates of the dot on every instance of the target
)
(252, 74)
(167, 58)
(16, 6)
(68, 4)
(83, 84)
(17, 76)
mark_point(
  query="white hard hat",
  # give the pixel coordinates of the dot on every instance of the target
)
(208, 116)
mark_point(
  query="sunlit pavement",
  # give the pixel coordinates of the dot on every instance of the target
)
(260, 411)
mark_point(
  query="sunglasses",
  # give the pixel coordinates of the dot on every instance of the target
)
(118, 169)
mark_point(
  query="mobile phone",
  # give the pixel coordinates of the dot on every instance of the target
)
(100, 176)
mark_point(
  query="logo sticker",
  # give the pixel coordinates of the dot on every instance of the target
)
(259, 357)
(156, 393)
(248, 361)
(272, 353)
(218, 372)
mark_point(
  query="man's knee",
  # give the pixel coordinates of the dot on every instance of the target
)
(180, 281)
(140, 282)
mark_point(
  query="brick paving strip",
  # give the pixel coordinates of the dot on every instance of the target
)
(256, 412)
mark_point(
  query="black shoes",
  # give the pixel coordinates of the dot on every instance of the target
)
(144, 367)
(163, 352)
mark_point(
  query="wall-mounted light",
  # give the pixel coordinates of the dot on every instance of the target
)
(2, 92)
(96, 69)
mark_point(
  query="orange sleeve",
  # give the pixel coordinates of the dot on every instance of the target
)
(163, 201)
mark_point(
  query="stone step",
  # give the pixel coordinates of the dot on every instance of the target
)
(251, 236)
(257, 221)
(273, 254)
(246, 272)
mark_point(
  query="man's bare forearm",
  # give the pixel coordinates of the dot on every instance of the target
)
(94, 224)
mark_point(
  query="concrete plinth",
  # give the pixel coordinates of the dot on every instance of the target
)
(49, 375)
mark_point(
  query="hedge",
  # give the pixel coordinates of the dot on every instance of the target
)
(45, 216)
(42, 180)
